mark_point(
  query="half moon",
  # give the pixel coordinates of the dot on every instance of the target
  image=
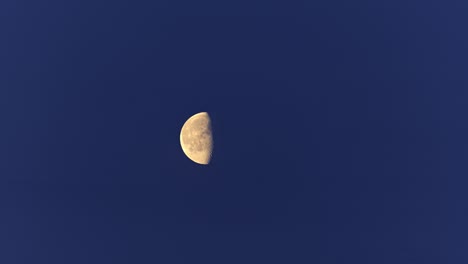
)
(196, 138)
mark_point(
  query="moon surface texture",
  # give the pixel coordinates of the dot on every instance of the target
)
(196, 138)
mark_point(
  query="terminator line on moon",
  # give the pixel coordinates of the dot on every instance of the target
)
(196, 138)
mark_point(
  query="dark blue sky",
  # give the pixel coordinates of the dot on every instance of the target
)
(340, 132)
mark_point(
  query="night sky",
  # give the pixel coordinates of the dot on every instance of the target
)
(340, 132)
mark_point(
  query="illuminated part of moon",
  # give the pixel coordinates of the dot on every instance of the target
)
(196, 138)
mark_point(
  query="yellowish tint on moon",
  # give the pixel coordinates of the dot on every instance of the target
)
(196, 138)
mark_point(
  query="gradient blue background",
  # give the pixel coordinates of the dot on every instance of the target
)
(340, 131)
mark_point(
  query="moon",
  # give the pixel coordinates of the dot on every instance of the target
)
(196, 138)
